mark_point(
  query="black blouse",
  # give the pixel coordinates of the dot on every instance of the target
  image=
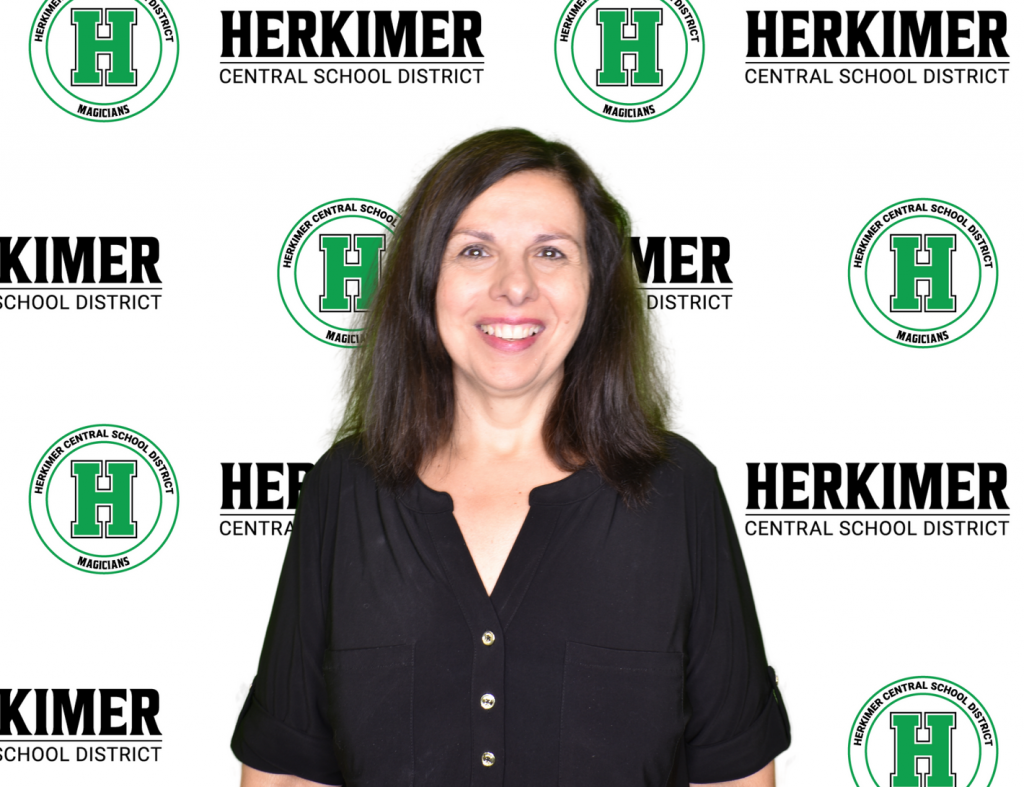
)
(619, 647)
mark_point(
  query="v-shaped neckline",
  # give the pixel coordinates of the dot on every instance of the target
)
(527, 549)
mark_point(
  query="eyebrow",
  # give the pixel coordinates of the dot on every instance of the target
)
(555, 236)
(543, 238)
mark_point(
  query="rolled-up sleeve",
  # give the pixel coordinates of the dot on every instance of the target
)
(283, 726)
(737, 721)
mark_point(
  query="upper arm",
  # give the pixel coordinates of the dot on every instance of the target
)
(283, 726)
(763, 778)
(736, 721)
(254, 778)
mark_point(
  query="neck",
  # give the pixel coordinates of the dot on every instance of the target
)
(500, 427)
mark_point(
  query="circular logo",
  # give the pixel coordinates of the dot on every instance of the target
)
(103, 499)
(103, 63)
(629, 63)
(330, 265)
(923, 273)
(923, 725)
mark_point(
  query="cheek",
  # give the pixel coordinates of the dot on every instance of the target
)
(447, 297)
(455, 298)
(571, 301)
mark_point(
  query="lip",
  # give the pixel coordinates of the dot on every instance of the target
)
(509, 345)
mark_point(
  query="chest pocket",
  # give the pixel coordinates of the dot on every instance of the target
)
(622, 716)
(369, 696)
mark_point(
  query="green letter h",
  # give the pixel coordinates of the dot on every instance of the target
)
(614, 46)
(88, 497)
(938, 272)
(88, 45)
(342, 265)
(938, 749)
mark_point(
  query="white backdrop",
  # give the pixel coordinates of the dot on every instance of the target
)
(789, 373)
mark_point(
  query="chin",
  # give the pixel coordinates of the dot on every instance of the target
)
(510, 383)
(506, 379)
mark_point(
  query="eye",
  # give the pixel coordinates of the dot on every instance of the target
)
(551, 253)
(475, 252)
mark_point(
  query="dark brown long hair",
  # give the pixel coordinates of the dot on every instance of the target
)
(611, 408)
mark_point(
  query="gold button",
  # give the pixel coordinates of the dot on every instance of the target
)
(488, 638)
(487, 701)
(487, 759)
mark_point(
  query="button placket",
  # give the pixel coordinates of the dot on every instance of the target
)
(484, 626)
(488, 719)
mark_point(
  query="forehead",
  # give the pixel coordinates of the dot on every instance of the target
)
(534, 196)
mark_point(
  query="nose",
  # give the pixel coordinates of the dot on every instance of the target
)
(513, 281)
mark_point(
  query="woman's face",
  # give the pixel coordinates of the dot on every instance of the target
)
(513, 287)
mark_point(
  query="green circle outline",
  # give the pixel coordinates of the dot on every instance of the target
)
(174, 70)
(177, 498)
(849, 273)
(54, 524)
(49, 29)
(696, 78)
(280, 254)
(981, 276)
(853, 727)
(575, 65)
(295, 269)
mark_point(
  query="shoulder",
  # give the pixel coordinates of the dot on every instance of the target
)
(330, 493)
(685, 475)
(343, 454)
(340, 466)
(685, 459)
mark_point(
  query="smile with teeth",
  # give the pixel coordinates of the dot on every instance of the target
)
(510, 332)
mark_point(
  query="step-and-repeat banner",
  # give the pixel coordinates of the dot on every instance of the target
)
(826, 209)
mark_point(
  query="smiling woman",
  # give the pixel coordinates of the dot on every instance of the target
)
(506, 571)
(508, 202)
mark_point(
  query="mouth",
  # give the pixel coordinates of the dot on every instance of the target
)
(511, 332)
(510, 336)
